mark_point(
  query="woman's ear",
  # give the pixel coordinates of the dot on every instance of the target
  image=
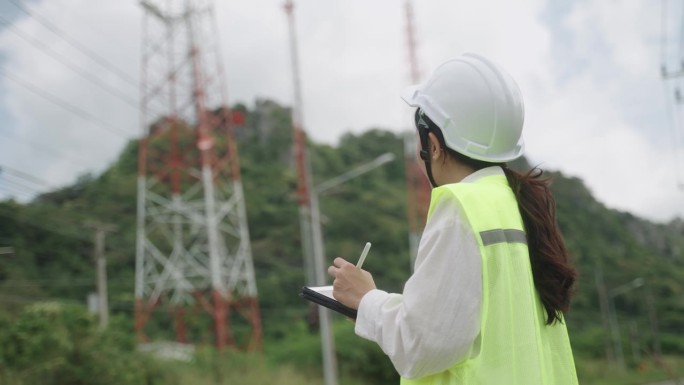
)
(435, 148)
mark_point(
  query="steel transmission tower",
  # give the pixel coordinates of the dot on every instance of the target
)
(193, 247)
(417, 186)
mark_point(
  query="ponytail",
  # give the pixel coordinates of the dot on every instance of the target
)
(553, 275)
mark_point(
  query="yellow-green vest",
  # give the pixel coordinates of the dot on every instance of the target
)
(515, 345)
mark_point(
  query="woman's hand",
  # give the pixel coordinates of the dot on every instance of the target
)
(351, 283)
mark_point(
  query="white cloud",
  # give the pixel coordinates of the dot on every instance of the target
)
(80, 141)
(605, 120)
(589, 72)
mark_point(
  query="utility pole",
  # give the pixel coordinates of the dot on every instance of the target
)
(605, 313)
(308, 208)
(653, 321)
(101, 267)
(615, 328)
(418, 188)
(672, 78)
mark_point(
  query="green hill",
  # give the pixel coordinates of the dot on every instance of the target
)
(53, 247)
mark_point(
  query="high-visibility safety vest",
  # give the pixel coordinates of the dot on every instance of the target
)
(515, 346)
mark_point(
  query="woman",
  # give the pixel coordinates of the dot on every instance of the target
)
(492, 280)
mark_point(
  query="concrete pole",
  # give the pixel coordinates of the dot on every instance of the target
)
(327, 337)
(308, 213)
(615, 334)
(101, 262)
(101, 270)
(319, 263)
(653, 321)
(615, 328)
(605, 313)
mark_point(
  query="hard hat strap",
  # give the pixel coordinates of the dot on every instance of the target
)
(423, 131)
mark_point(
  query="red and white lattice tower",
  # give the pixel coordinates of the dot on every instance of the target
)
(193, 249)
(417, 186)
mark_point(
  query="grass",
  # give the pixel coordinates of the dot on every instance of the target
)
(210, 368)
(255, 369)
(231, 367)
(601, 372)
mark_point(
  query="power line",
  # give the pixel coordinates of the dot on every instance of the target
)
(16, 187)
(25, 176)
(29, 190)
(12, 191)
(82, 48)
(61, 58)
(39, 146)
(65, 105)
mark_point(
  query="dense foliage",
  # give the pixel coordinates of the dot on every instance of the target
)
(53, 256)
(55, 343)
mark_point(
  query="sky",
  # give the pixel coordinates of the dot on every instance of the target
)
(597, 107)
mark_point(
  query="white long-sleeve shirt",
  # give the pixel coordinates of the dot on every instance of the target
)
(435, 323)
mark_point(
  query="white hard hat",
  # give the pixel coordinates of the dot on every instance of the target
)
(477, 105)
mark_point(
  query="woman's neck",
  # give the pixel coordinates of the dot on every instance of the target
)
(453, 172)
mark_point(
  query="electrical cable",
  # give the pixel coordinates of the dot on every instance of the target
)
(61, 58)
(20, 186)
(79, 47)
(81, 113)
(82, 48)
(25, 176)
(15, 188)
(46, 148)
(11, 191)
(67, 106)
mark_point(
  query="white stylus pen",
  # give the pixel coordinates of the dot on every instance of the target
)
(362, 258)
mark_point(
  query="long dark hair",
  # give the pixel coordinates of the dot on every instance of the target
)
(553, 275)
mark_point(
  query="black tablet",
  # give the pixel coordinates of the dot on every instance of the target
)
(322, 295)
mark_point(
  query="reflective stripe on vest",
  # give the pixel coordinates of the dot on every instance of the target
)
(515, 346)
(491, 237)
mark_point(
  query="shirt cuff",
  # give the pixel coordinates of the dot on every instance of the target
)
(369, 313)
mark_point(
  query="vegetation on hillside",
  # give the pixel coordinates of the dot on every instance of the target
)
(53, 262)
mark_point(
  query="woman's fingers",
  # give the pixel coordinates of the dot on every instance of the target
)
(339, 262)
(337, 265)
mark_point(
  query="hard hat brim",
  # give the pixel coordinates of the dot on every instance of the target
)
(410, 95)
